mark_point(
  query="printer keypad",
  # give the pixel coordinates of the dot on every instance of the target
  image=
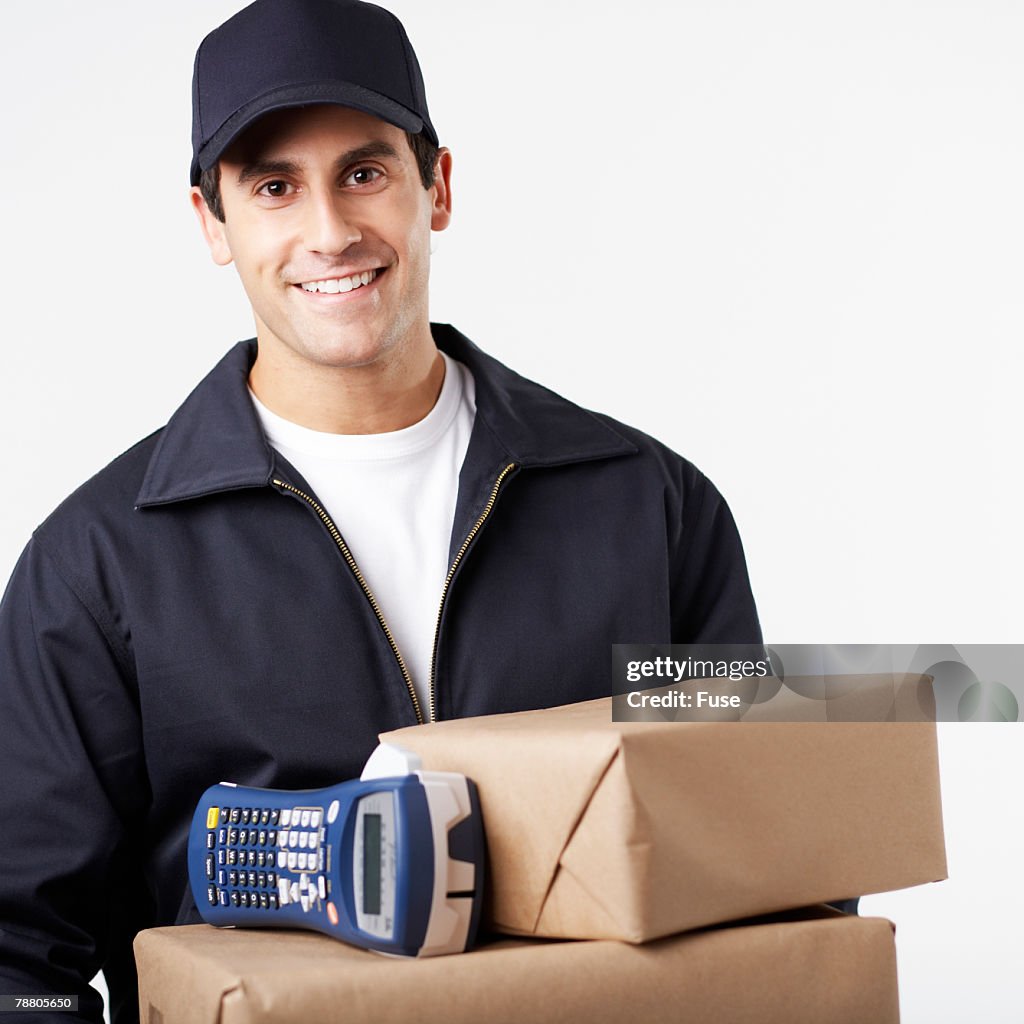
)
(292, 843)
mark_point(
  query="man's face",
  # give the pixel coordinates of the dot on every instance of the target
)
(315, 200)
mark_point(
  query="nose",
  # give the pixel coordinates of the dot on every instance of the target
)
(328, 226)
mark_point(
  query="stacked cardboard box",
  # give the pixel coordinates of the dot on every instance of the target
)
(841, 970)
(652, 834)
(635, 830)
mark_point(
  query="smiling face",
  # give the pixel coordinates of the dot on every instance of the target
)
(328, 225)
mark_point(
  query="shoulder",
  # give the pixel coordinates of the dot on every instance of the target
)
(655, 457)
(98, 512)
(203, 442)
(540, 427)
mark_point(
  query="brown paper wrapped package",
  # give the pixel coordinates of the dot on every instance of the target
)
(632, 831)
(840, 970)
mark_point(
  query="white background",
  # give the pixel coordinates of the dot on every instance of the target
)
(785, 238)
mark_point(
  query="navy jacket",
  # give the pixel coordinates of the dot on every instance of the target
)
(191, 614)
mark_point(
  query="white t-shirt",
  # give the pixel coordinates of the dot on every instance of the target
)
(393, 496)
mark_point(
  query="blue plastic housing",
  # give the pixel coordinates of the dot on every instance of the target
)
(221, 871)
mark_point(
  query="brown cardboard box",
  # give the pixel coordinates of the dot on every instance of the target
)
(841, 970)
(598, 829)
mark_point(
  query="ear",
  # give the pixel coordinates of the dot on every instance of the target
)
(441, 212)
(213, 229)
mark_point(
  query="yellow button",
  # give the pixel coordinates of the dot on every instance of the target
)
(212, 816)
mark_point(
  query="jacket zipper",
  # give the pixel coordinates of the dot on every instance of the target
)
(340, 541)
(451, 573)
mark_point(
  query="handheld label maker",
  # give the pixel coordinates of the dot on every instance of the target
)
(392, 862)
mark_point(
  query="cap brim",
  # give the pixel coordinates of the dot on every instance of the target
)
(344, 94)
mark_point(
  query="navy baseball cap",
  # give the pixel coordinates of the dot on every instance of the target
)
(275, 54)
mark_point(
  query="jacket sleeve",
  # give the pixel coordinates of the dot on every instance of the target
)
(73, 781)
(712, 602)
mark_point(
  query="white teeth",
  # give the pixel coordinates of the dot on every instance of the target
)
(340, 284)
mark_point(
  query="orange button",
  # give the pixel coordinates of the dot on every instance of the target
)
(332, 912)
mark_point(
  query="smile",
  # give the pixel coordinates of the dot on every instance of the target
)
(334, 285)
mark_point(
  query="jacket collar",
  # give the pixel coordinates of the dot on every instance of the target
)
(214, 442)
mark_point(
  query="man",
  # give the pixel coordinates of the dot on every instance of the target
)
(358, 521)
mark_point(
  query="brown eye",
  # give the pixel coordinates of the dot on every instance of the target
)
(275, 189)
(364, 176)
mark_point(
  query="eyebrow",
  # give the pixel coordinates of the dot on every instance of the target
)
(257, 168)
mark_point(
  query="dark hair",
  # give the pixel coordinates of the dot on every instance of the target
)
(422, 148)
